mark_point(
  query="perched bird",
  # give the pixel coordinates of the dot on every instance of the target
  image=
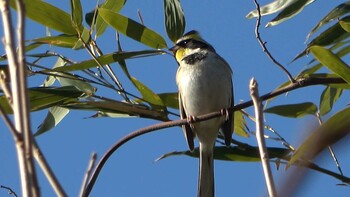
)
(205, 85)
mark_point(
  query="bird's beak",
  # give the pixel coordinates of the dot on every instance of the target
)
(174, 49)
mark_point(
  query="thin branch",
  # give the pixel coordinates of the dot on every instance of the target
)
(254, 93)
(19, 96)
(318, 116)
(45, 167)
(88, 173)
(301, 83)
(263, 44)
(10, 191)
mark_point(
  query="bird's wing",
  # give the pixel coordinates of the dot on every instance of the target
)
(186, 128)
(227, 126)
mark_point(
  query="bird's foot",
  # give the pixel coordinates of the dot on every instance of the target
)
(226, 113)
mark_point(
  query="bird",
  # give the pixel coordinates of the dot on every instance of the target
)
(204, 81)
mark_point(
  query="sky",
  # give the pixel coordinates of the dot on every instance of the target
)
(132, 170)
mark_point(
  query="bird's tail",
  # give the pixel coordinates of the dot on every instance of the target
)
(206, 172)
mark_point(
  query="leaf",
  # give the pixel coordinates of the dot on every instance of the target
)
(174, 19)
(48, 15)
(331, 131)
(332, 62)
(77, 15)
(328, 97)
(44, 97)
(335, 13)
(345, 25)
(100, 24)
(293, 110)
(242, 154)
(240, 124)
(170, 99)
(270, 8)
(108, 59)
(63, 40)
(148, 95)
(54, 116)
(133, 29)
(118, 107)
(290, 11)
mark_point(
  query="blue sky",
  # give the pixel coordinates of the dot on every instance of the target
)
(131, 171)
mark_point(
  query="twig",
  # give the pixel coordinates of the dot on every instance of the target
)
(20, 97)
(254, 93)
(263, 44)
(10, 191)
(88, 173)
(103, 160)
(45, 167)
(330, 148)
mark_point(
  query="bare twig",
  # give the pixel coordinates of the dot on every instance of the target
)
(263, 44)
(254, 93)
(45, 167)
(19, 96)
(10, 191)
(145, 130)
(88, 173)
(330, 148)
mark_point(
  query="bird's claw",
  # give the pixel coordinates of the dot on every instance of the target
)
(226, 113)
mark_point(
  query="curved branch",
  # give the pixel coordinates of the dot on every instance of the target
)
(298, 84)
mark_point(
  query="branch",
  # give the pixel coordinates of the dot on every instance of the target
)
(301, 83)
(254, 93)
(263, 44)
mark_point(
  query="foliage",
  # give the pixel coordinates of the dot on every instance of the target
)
(77, 80)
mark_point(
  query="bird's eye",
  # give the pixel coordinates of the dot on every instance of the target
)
(183, 43)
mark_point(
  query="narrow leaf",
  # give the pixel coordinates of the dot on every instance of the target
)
(48, 15)
(328, 97)
(64, 40)
(133, 29)
(293, 110)
(170, 99)
(77, 15)
(249, 154)
(174, 19)
(331, 131)
(332, 62)
(240, 124)
(54, 116)
(108, 59)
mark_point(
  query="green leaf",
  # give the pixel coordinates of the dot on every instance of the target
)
(335, 13)
(270, 8)
(118, 107)
(170, 99)
(293, 110)
(54, 116)
(332, 62)
(290, 11)
(100, 24)
(148, 95)
(328, 97)
(108, 59)
(345, 25)
(48, 15)
(44, 97)
(77, 15)
(240, 124)
(242, 154)
(133, 29)
(331, 131)
(63, 40)
(174, 19)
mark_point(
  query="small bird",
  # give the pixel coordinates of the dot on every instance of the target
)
(204, 80)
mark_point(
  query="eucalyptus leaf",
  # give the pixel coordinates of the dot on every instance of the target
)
(77, 15)
(240, 124)
(170, 99)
